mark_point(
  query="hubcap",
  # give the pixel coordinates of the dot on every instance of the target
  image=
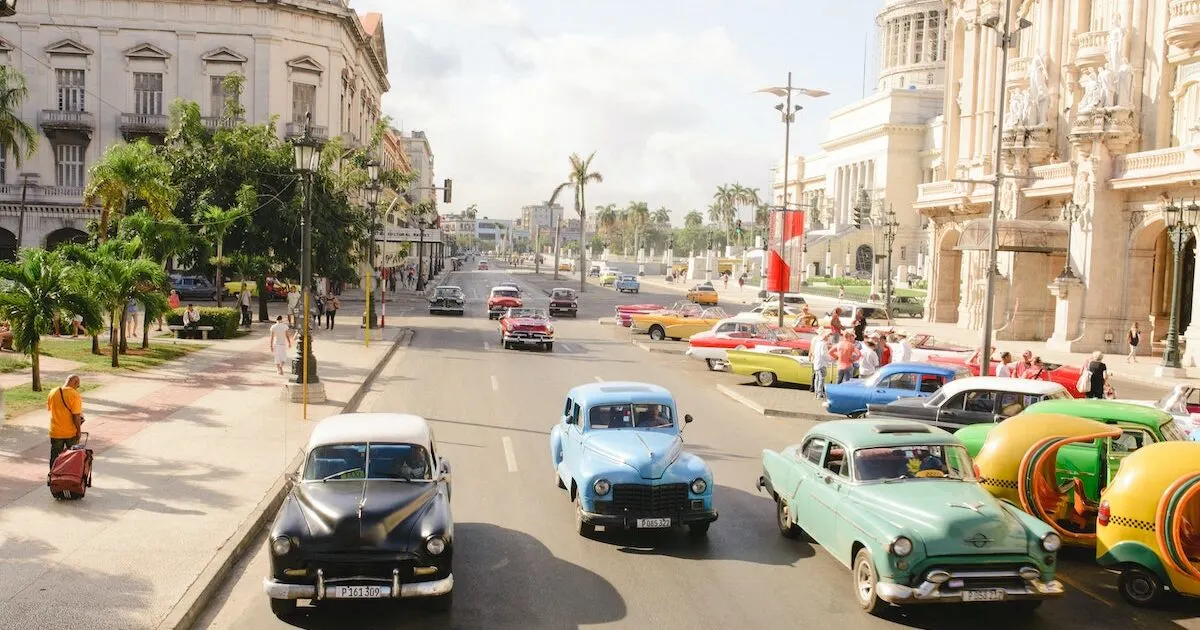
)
(783, 515)
(864, 582)
(1140, 588)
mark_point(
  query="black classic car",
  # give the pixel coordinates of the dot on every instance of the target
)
(368, 517)
(564, 301)
(447, 299)
(973, 400)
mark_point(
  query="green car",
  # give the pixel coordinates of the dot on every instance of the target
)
(898, 503)
(908, 306)
(1095, 463)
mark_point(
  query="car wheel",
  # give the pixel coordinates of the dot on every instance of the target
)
(786, 527)
(857, 414)
(698, 530)
(1139, 587)
(765, 379)
(581, 527)
(283, 608)
(657, 333)
(895, 314)
(865, 581)
(550, 347)
(713, 364)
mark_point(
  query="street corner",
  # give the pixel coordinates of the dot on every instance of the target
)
(779, 402)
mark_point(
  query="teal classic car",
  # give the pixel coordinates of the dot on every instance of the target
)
(898, 503)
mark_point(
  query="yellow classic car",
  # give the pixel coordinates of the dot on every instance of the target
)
(677, 325)
(608, 278)
(775, 366)
(703, 294)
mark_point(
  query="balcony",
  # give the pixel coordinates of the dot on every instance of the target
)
(1173, 166)
(214, 123)
(53, 121)
(295, 130)
(72, 192)
(1093, 47)
(1183, 24)
(137, 125)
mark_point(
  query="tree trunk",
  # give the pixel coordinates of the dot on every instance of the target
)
(116, 362)
(263, 315)
(35, 361)
(580, 209)
(96, 344)
(124, 330)
(146, 334)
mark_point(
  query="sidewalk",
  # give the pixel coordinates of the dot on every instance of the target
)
(184, 456)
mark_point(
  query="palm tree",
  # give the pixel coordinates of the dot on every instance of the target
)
(130, 277)
(15, 134)
(716, 213)
(724, 199)
(161, 239)
(662, 216)
(638, 216)
(471, 212)
(128, 172)
(693, 219)
(217, 223)
(582, 175)
(42, 285)
(98, 286)
(557, 224)
(743, 196)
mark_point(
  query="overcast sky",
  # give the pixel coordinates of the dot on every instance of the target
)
(660, 89)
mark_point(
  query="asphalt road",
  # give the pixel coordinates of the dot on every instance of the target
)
(518, 561)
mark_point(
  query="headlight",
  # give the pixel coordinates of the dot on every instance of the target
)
(901, 547)
(602, 487)
(1051, 542)
(281, 545)
(435, 546)
(699, 486)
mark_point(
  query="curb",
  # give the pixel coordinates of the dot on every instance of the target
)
(196, 598)
(768, 411)
(651, 347)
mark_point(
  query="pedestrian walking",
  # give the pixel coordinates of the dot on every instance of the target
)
(1094, 377)
(741, 282)
(860, 325)
(846, 354)
(131, 315)
(725, 277)
(318, 310)
(905, 348)
(1005, 369)
(65, 405)
(244, 300)
(332, 304)
(293, 302)
(281, 342)
(1134, 338)
(841, 293)
(172, 303)
(820, 361)
(77, 328)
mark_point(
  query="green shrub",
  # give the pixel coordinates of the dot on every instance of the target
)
(223, 320)
(847, 282)
(921, 284)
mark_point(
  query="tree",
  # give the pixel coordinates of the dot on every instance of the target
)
(16, 135)
(662, 216)
(162, 239)
(471, 212)
(638, 216)
(42, 286)
(130, 278)
(98, 287)
(723, 208)
(558, 224)
(125, 173)
(581, 175)
(693, 219)
(217, 223)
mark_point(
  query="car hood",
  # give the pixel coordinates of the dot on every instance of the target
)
(527, 322)
(389, 511)
(650, 453)
(950, 517)
(510, 301)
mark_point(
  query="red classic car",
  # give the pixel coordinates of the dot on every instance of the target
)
(501, 299)
(626, 312)
(526, 327)
(1065, 375)
(735, 334)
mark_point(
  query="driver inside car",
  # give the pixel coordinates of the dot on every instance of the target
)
(413, 466)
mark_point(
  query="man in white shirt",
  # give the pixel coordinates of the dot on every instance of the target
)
(819, 352)
(293, 302)
(1006, 367)
(191, 319)
(869, 362)
(905, 349)
(245, 300)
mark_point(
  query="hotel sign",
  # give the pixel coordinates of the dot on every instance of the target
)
(407, 235)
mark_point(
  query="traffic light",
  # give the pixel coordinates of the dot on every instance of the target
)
(447, 188)
(860, 215)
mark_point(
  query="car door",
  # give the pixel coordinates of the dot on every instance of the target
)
(825, 493)
(572, 436)
(795, 488)
(893, 386)
(978, 406)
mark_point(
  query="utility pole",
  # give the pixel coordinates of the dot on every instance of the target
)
(537, 248)
(557, 236)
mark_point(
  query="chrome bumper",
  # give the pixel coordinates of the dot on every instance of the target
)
(324, 589)
(525, 337)
(930, 592)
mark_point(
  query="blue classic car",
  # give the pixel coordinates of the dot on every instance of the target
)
(618, 451)
(892, 381)
(627, 282)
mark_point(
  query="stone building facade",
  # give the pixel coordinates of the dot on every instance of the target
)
(1103, 133)
(105, 72)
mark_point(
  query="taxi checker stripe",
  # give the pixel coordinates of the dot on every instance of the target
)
(1169, 534)
(1133, 523)
(1010, 484)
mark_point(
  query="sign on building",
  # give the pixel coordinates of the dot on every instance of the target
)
(407, 235)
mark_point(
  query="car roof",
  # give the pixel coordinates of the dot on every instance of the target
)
(350, 428)
(562, 289)
(868, 433)
(506, 287)
(448, 286)
(1001, 383)
(610, 392)
(924, 368)
(1105, 410)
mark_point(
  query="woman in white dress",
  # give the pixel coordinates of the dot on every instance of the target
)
(281, 342)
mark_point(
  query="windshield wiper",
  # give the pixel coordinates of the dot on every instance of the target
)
(339, 474)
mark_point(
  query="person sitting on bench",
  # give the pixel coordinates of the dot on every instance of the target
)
(191, 321)
(6, 336)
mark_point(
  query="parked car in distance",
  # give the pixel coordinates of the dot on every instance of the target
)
(1065, 375)
(627, 283)
(907, 305)
(974, 400)
(526, 327)
(447, 299)
(608, 278)
(737, 334)
(594, 271)
(892, 382)
(703, 294)
(483, 265)
(617, 450)
(676, 324)
(367, 518)
(789, 299)
(899, 504)
(501, 299)
(565, 301)
(194, 287)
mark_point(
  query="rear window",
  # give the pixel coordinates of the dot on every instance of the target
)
(504, 293)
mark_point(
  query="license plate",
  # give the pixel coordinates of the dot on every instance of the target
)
(983, 596)
(360, 592)
(653, 523)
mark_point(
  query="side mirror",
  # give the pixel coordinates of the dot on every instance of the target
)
(443, 467)
(687, 418)
(294, 477)
(568, 420)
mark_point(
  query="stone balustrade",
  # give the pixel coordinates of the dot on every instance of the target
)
(1157, 162)
(1093, 47)
(1183, 24)
(1052, 171)
(933, 190)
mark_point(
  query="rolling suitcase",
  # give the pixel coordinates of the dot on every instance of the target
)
(71, 475)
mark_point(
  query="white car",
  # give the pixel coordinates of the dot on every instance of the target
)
(1183, 403)
(767, 313)
(737, 333)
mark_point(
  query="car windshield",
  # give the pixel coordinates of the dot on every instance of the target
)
(563, 295)
(627, 416)
(1174, 430)
(345, 462)
(445, 292)
(526, 312)
(893, 463)
(505, 293)
(627, 278)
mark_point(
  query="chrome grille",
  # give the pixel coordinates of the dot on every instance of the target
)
(646, 499)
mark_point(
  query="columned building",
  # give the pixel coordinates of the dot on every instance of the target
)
(105, 72)
(1102, 134)
(877, 151)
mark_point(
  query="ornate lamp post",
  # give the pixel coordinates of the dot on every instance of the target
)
(421, 223)
(1070, 214)
(890, 226)
(307, 152)
(371, 194)
(1181, 220)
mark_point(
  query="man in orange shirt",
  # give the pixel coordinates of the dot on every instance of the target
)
(845, 354)
(66, 416)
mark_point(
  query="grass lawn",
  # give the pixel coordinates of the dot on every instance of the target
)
(861, 293)
(136, 359)
(21, 400)
(13, 363)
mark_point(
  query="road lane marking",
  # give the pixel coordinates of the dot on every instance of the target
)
(1085, 591)
(509, 456)
(564, 347)
(598, 379)
(500, 565)
(486, 346)
(495, 383)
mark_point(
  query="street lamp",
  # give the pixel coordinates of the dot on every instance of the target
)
(1070, 214)
(371, 194)
(307, 153)
(421, 223)
(1181, 220)
(788, 114)
(890, 226)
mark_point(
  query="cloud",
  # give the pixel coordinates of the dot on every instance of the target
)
(421, 57)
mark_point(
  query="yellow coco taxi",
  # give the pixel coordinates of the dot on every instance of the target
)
(1149, 523)
(703, 294)
(677, 325)
(1024, 461)
(780, 365)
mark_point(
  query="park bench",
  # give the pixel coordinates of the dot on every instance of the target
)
(178, 330)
